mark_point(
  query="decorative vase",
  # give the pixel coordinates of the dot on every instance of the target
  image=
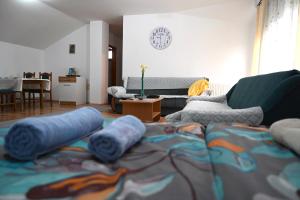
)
(142, 96)
(142, 87)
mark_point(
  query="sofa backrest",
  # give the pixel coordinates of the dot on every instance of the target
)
(255, 90)
(161, 85)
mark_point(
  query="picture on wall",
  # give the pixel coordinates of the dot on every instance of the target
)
(72, 49)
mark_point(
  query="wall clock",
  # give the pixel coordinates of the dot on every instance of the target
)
(160, 38)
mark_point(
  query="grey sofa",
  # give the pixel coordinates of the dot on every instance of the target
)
(173, 91)
(255, 100)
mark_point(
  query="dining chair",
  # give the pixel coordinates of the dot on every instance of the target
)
(48, 76)
(28, 74)
(29, 91)
(8, 99)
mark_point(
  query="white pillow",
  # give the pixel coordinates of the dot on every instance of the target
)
(287, 132)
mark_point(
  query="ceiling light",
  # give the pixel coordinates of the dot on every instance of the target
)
(27, 1)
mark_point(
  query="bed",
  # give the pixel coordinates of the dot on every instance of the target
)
(173, 161)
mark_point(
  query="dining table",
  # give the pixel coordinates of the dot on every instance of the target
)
(23, 85)
(36, 85)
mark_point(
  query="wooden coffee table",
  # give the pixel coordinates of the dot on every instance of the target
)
(148, 110)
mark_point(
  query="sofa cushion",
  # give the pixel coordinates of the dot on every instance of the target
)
(253, 91)
(182, 91)
(198, 87)
(218, 99)
(205, 105)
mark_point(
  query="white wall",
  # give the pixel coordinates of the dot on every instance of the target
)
(16, 59)
(214, 41)
(117, 42)
(90, 59)
(58, 60)
(99, 38)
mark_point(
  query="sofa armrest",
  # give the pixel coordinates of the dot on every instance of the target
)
(115, 90)
(290, 87)
(283, 102)
(218, 99)
(119, 92)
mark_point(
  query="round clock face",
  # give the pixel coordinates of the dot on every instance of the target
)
(160, 38)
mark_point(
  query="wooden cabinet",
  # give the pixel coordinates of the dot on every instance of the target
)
(72, 90)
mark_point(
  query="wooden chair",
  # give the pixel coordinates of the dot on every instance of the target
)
(47, 76)
(29, 91)
(28, 74)
(8, 99)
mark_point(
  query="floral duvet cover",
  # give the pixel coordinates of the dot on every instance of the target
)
(173, 161)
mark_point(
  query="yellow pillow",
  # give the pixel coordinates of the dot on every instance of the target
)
(198, 87)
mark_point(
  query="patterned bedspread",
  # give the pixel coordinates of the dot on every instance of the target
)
(173, 161)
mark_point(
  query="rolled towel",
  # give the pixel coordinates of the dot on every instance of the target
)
(31, 137)
(110, 143)
(287, 132)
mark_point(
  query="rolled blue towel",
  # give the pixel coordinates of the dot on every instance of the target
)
(110, 143)
(31, 137)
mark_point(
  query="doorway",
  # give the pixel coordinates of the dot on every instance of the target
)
(112, 66)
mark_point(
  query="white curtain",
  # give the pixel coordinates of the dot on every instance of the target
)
(278, 46)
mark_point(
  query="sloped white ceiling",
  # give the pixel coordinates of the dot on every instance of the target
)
(112, 11)
(40, 23)
(33, 24)
(227, 10)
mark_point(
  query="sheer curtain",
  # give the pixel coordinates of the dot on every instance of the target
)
(260, 16)
(278, 47)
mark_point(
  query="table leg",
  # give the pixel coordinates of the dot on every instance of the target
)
(14, 101)
(51, 101)
(29, 99)
(24, 99)
(41, 94)
(1, 102)
(7, 98)
(33, 99)
(21, 100)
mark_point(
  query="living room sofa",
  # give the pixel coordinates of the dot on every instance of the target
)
(173, 90)
(255, 100)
